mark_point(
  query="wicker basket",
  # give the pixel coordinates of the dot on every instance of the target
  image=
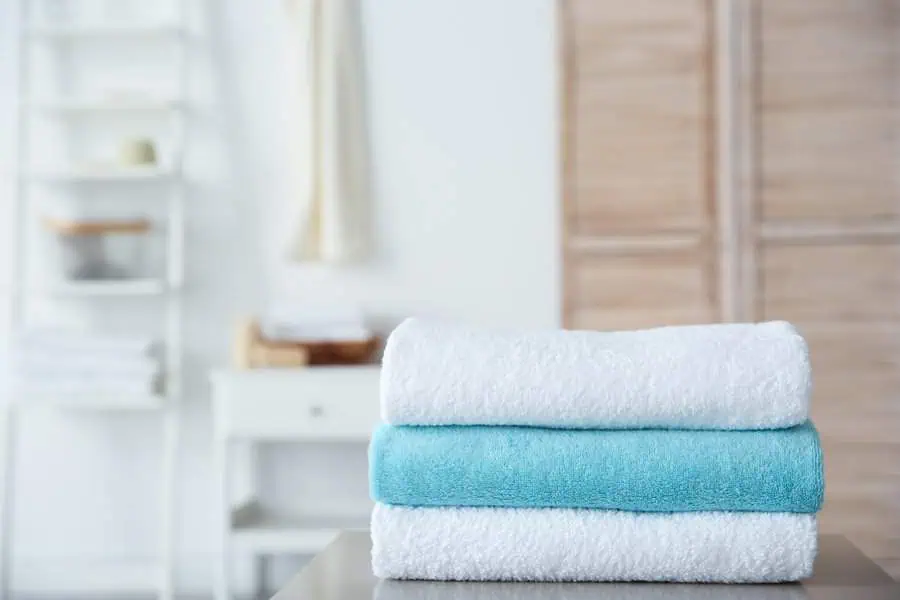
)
(253, 351)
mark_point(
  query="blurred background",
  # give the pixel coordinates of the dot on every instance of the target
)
(215, 211)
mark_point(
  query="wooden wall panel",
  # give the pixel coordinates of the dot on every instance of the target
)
(626, 292)
(832, 283)
(618, 50)
(828, 84)
(591, 14)
(843, 355)
(640, 156)
(637, 141)
(810, 173)
(807, 106)
(825, 122)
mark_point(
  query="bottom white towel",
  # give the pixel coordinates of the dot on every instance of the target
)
(499, 544)
(387, 589)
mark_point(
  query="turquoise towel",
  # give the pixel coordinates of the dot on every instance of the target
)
(648, 470)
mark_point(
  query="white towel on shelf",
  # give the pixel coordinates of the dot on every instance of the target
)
(54, 363)
(50, 340)
(335, 221)
(729, 376)
(502, 544)
(60, 386)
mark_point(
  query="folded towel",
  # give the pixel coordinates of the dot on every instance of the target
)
(282, 332)
(54, 364)
(99, 345)
(86, 386)
(777, 470)
(488, 544)
(732, 376)
(390, 589)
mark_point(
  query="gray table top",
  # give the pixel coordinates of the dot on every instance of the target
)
(343, 572)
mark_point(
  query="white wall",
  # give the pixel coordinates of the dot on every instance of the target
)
(463, 118)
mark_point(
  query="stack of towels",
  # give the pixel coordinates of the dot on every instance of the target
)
(314, 321)
(60, 362)
(671, 454)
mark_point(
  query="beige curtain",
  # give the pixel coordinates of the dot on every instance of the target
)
(335, 219)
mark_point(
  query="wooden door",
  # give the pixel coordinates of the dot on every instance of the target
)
(772, 193)
(822, 185)
(639, 216)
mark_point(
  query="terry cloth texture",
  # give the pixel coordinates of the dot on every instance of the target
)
(728, 376)
(488, 544)
(638, 470)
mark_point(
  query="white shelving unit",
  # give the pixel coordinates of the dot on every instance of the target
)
(154, 576)
(321, 405)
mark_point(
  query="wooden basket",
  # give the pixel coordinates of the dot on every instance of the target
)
(253, 351)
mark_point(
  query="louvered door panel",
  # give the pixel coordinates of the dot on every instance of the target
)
(811, 172)
(831, 283)
(828, 94)
(626, 292)
(637, 141)
(825, 122)
(639, 135)
(813, 203)
(640, 156)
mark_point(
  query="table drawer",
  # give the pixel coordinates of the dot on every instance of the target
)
(315, 403)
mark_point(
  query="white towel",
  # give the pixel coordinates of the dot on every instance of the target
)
(731, 376)
(388, 589)
(53, 363)
(288, 332)
(50, 340)
(335, 221)
(63, 386)
(504, 544)
(305, 317)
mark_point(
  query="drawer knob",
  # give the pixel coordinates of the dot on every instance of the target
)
(316, 411)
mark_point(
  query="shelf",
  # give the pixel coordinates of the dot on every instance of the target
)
(106, 401)
(266, 531)
(112, 287)
(87, 175)
(103, 31)
(165, 42)
(100, 106)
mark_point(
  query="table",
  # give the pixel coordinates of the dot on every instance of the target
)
(343, 572)
(319, 405)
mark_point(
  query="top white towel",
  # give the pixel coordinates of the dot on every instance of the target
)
(728, 376)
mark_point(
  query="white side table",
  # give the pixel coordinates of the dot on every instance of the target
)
(323, 404)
